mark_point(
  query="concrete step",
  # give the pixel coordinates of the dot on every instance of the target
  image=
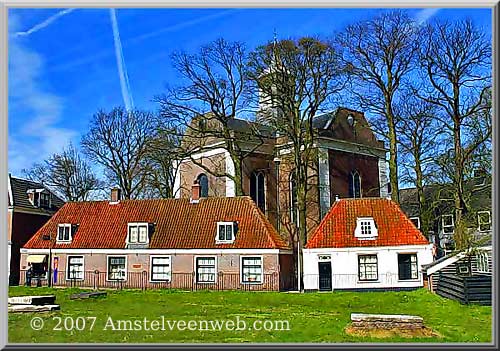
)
(33, 308)
(32, 300)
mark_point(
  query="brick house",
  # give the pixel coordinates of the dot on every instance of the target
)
(351, 163)
(214, 243)
(365, 244)
(30, 206)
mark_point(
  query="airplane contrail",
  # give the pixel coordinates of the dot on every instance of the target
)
(424, 15)
(120, 61)
(45, 23)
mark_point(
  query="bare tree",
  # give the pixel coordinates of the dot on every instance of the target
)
(419, 140)
(162, 161)
(118, 140)
(456, 58)
(297, 77)
(67, 173)
(380, 54)
(205, 108)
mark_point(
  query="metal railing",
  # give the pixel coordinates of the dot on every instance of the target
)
(141, 280)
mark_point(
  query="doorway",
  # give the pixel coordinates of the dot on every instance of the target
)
(325, 276)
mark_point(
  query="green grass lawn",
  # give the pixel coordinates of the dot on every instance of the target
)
(313, 317)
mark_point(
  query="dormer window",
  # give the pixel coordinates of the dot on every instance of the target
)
(226, 232)
(39, 198)
(366, 228)
(64, 233)
(138, 233)
(44, 200)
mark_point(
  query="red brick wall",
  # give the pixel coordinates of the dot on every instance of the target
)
(24, 226)
(183, 267)
(341, 166)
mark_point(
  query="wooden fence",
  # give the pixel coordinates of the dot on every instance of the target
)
(183, 281)
(465, 289)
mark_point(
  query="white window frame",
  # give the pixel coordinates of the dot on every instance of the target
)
(443, 226)
(377, 280)
(138, 225)
(217, 240)
(65, 225)
(411, 263)
(373, 228)
(108, 272)
(418, 221)
(261, 268)
(196, 269)
(479, 213)
(68, 259)
(151, 258)
(483, 262)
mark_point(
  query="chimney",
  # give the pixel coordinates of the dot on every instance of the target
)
(116, 195)
(195, 192)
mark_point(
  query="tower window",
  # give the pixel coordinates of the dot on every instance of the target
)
(257, 189)
(354, 185)
(203, 181)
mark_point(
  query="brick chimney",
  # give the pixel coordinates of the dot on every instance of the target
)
(195, 192)
(116, 195)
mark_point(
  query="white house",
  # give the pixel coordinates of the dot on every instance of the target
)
(365, 243)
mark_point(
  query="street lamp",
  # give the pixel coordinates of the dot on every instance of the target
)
(49, 276)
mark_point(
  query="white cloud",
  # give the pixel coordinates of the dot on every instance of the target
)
(38, 133)
(424, 15)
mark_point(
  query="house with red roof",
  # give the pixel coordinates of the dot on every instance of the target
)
(366, 243)
(213, 242)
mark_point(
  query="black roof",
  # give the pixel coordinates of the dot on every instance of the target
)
(19, 188)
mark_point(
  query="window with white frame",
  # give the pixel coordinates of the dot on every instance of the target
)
(484, 220)
(416, 221)
(366, 228)
(407, 266)
(75, 267)
(226, 232)
(117, 267)
(161, 269)
(205, 269)
(483, 264)
(64, 232)
(367, 267)
(448, 224)
(138, 233)
(251, 269)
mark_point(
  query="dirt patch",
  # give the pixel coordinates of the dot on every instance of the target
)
(382, 333)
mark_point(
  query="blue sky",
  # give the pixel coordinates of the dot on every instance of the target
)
(63, 64)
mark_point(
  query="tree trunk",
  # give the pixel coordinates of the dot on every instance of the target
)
(393, 156)
(422, 205)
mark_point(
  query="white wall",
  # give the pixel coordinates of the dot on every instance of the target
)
(345, 266)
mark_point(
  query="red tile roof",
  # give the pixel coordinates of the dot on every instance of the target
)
(337, 227)
(179, 224)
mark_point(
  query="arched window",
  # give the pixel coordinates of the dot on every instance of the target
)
(354, 185)
(258, 189)
(294, 210)
(203, 181)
